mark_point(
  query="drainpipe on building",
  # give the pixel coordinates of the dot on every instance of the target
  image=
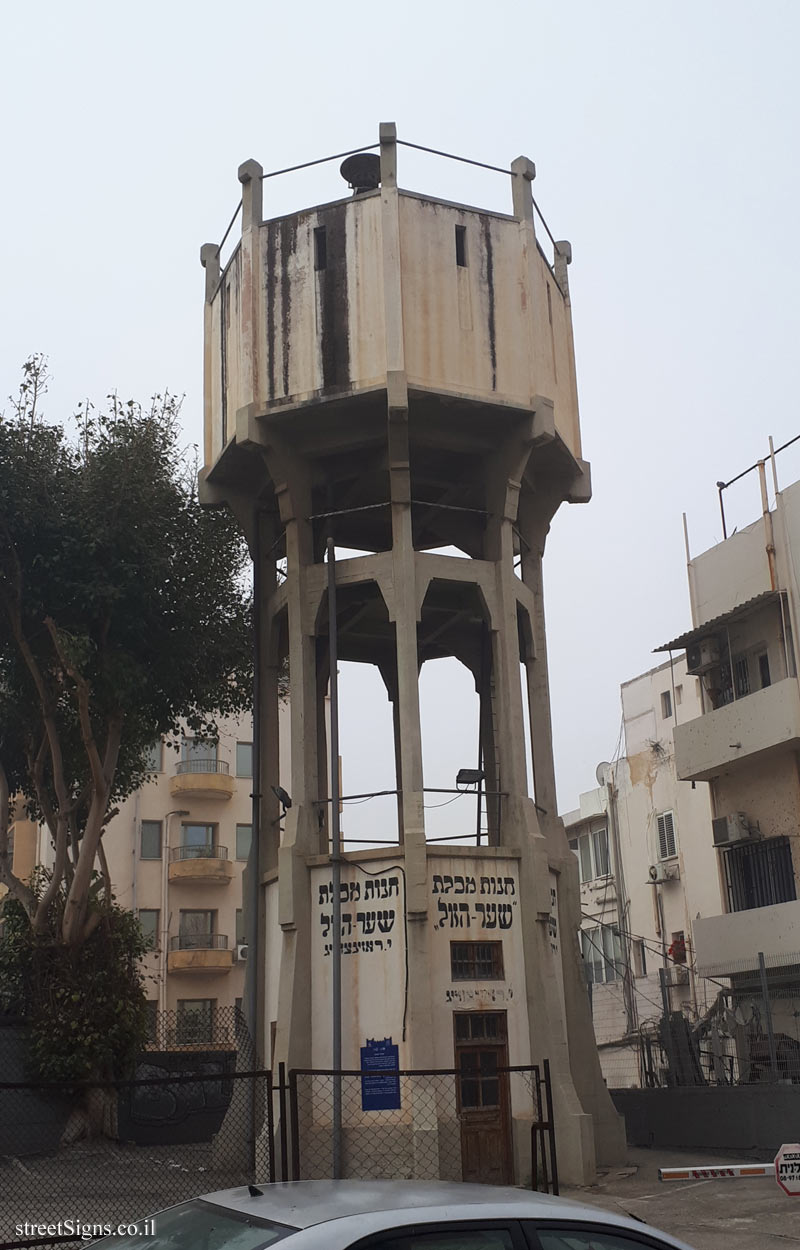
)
(162, 971)
(134, 852)
(793, 596)
(253, 984)
(768, 531)
(628, 994)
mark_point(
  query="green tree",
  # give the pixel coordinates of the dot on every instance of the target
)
(124, 613)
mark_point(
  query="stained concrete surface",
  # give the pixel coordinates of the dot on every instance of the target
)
(750, 1214)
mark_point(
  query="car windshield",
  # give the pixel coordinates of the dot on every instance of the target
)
(202, 1226)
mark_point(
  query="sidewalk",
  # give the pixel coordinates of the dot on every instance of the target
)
(750, 1214)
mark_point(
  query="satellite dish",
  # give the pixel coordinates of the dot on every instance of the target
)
(362, 171)
(601, 772)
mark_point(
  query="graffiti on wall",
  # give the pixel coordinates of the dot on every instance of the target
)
(364, 930)
(446, 884)
(553, 921)
(476, 915)
(376, 888)
(502, 994)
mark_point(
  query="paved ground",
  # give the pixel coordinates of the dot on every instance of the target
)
(709, 1215)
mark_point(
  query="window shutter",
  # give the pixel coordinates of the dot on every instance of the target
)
(666, 836)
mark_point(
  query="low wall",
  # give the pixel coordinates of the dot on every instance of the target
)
(742, 1117)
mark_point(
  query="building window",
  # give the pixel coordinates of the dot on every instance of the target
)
(678, 695)
(320, 248)
(763, 670)
(196, 930)
(244, 838)
(195, 1020)
(153, 757)
(244, 759)
(476, 961)
(741, 673)
(666, 704)
(148, 921)
(601, 947)
(592, 851)
(677, 948)
(199, 749)
(729, 688)
(197, 841)
(759, 874)
(241, 936)
(461, 246)
(666, 836)
(639, 958)
(151, 839)
(480, 1026)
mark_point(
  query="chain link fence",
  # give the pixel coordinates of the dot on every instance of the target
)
(196, 1116)
(417, 1125)
(737, 1028)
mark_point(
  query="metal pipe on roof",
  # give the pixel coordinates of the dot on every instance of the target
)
(768, 531)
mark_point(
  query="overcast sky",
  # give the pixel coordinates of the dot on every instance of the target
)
(665, 141)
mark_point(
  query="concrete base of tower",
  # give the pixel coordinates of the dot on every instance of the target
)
(445, 1000)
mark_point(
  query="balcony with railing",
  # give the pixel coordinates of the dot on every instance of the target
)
(745, 729)
(202, 778)
(199, 952)
(200, 865)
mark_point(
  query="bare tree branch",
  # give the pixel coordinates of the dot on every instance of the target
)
(82, 698)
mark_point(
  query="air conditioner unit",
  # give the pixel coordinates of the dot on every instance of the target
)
(701, 656)
(664, 872)
(738, 827)
(677, 974)
(241, 953)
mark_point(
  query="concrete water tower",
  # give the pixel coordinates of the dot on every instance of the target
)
(392, 373)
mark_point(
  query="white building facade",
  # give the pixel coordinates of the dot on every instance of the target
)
(690, 849)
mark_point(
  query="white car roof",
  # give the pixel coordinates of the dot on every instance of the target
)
(389, 1204)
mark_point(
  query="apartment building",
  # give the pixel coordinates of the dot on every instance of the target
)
(689, 848)
(743, 743)
(176, 853)
(647, 871)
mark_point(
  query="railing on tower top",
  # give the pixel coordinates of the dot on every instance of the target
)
(371, 147)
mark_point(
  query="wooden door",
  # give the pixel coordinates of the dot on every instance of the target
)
(484, 1103)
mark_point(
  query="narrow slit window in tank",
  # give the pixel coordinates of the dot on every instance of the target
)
(461, 246)
(320, 248)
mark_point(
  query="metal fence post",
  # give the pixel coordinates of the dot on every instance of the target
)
(672, 1074)
(773, 1054)
(551, 1126)
(293, 1111)
(270, 1128)
(282, 1112)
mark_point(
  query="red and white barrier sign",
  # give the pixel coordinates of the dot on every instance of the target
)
(722, 1172)
(787, 1169)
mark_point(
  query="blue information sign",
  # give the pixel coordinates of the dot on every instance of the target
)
(380, 1092)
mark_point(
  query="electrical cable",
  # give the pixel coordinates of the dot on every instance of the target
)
(612, 984)
(322, 160)
(380, 872)
(429, 806)
(654, 949)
